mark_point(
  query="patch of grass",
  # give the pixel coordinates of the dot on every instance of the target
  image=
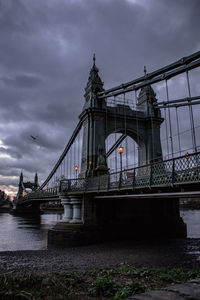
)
(104, 286)
(109, 283)
(175, 275)
(129, 289)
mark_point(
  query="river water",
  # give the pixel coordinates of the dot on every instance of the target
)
(26, 233)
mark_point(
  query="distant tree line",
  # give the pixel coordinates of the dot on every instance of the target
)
(4, 197)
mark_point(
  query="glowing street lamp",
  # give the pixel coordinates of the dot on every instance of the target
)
(120, 151)
(187, 155)
(76, 170)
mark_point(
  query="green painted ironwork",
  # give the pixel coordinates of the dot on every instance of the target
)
(181, 170)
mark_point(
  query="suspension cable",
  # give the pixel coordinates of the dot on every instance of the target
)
(106, 129)
(170, 125)
(191, 115)
(126, 145)
(64, 167)
(68, 165)
(166, 131)
(79, 136)
(70, 155)
(152, 125)
(61, 168)
(137, 125)
(115, 121)
(178, 131)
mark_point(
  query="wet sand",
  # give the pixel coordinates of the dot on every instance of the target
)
(168, 253)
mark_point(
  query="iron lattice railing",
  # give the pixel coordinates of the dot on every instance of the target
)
(180, 170)
(184, 169)
(41, 194)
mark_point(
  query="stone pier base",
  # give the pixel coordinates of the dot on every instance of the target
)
(65, 234)
(115, 219)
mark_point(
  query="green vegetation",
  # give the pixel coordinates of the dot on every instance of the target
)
(116, 283)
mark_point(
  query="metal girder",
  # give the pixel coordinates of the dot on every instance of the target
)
(173, 103)
(116, 144)
(154, 195)
(188, 99)
(178, 63)
(179, 105)
(182, 65)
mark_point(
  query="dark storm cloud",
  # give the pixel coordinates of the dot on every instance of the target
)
(10, 152)
(46, 50)
(22, 81)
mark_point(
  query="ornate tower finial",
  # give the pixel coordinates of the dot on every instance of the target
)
(94, 59)
(145, 70)
(36, 178)
(21, 178)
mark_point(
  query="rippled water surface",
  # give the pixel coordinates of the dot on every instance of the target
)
(26, 233)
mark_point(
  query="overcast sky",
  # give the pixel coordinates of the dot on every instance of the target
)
(46, 49)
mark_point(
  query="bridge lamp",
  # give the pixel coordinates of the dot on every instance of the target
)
(120, 151)
(76, 170)
(187, 155)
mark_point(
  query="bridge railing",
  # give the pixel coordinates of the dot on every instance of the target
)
(180, 170)
(54, 191)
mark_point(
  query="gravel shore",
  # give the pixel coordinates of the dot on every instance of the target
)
(171, 253)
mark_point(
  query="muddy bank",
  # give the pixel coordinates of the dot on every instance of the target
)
(169, 253)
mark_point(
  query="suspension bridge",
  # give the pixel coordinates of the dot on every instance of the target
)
(134, 152)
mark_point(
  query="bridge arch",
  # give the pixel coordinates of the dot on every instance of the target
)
(130, 138)
(130, 151)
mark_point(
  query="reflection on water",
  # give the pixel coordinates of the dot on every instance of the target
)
(25, 233)
(192, 219)
(30, 233)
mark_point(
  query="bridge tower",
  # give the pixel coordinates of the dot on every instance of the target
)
(23, 185)
(18, 207)
(150, 149)
(20, 186)
(100, 120)
(94, 135)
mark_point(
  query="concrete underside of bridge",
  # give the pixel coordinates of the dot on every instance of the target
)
(121, 219)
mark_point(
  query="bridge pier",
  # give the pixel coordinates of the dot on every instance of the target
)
(72, 209)
(76, 203)
(68, 211)
(94, 220)
(71, 230)
(140, 218)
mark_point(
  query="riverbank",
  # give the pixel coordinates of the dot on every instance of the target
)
(109, 283)
(167, 253)
(94, 271)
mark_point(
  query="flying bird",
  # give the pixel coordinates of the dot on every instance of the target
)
(34, 137)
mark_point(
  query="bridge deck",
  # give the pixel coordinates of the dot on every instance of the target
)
(179, 176)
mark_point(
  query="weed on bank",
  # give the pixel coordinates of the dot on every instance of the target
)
(115, 283)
